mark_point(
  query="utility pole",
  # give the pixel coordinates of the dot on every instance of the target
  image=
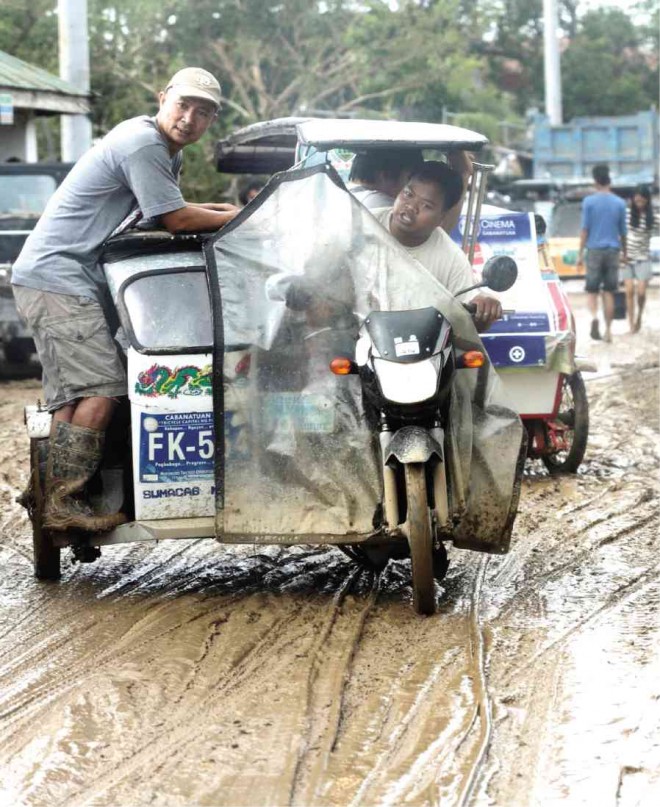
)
(76, 132)
(551, 63)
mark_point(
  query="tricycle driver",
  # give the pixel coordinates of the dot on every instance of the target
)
(416, 221)
(60, 288)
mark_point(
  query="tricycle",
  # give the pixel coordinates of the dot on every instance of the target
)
(298, 378)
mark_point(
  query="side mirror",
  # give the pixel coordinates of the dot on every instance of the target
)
(499, 273)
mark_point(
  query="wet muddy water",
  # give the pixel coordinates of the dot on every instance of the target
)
(187, 673)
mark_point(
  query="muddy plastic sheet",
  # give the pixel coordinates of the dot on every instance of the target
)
(292, 278)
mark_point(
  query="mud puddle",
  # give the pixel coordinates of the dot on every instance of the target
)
(187, 673)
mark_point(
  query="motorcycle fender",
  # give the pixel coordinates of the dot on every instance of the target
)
(413, 444)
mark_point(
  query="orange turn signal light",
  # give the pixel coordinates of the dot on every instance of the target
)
(342, 366)
(473, 358)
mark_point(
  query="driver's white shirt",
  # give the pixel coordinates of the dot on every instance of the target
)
(441, 256)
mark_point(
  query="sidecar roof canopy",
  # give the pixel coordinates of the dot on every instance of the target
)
(270, 146)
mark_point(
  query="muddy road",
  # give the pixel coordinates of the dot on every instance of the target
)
(190, 674)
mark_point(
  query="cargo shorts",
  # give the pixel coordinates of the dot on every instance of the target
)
(602, 270)
(78, 355)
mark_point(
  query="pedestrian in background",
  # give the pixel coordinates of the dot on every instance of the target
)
(603, 234)
(642, 222)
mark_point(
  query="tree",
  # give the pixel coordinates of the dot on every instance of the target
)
(480, 60)
(607, 65)
(607, 70)
(28, 30)
(514, 45)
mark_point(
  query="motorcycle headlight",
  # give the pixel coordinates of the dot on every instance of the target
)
(408, 383)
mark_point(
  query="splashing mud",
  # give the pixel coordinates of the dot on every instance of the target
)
(187, 673)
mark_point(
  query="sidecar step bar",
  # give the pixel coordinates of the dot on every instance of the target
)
(137, 531)
(200, 527)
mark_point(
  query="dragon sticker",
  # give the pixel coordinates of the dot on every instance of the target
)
(160, 380)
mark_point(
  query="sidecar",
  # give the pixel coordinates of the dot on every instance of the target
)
(235, 428)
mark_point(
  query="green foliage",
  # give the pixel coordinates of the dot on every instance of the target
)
(200, 182)
(28, 30)
(606, 70)
(415, 58)
(473, 62)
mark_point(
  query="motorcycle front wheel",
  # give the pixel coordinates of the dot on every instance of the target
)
(420, 539)
(573, 416)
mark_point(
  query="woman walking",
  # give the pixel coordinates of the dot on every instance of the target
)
(642, 223)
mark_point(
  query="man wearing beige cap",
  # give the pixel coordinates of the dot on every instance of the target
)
(60, 289)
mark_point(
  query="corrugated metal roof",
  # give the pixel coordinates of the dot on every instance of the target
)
(15, 74)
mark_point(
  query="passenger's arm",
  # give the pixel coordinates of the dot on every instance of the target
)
(192, 218)
(460, 162)
(221, 207)
(623, 230)
(583, 241)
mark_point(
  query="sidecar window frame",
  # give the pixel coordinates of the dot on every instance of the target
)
(125, 316)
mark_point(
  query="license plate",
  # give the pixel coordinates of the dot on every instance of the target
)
(299, 412)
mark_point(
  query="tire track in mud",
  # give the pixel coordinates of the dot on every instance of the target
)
(166, 735)
(530, 585)
(62, 679)
(397, 745)
(419, 762)
(325, 695)
(482, 696)
(613, 600)
(46, 652)
(462, 745)
(58, 638)
(181, 723)
(49, 594)
(50, 591)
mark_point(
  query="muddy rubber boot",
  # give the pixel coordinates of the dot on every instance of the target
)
(74, 454)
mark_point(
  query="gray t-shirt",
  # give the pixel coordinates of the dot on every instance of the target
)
(130, 167)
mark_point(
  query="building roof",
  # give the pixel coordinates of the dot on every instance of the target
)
(34, 88)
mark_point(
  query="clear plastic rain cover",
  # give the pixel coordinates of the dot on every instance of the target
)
(292, 277)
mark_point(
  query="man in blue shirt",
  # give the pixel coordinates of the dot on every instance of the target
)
(604, 235)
